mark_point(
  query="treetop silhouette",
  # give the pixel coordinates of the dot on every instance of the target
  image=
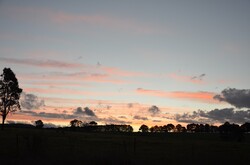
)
(9, 94)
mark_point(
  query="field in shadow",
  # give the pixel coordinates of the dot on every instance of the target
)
(44, 146)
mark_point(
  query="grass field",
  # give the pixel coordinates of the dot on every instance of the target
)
(34, 146)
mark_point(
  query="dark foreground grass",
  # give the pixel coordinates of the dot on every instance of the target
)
(32, 146)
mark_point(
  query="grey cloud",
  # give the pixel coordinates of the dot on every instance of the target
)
(156, 121)
(55, 115)
(85, 112)
(31, 101)
(50, 115)
(41, 63)
(17, 122)
(113, 120)
(154, 110)
(98, 64)
(200, 77)
(188, 118)
(219, 114)
(108, 107)
(240, 98)
(140, 118)
(100, 105)
(216, 115)
(122, 117)
(130, 105)
(50, 125)
(79, 112)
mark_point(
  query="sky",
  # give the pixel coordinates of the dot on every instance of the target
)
(128, 62)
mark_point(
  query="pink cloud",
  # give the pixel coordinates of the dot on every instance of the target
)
(65, 91)
(42, 63)
(57, 84)
(85, 72)
(105, 21)
(224, 81)
(97, 19)
(78, 77)
(104, 78)
(62, 64)
(57, 91)
(193, 96)
(120, 72)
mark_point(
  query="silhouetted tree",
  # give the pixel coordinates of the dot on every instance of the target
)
(92, 123)
(125, 128)
(143, 128)
(192, 127)
(231, 131)
(180, 128)
(214, 128)
(111, 128)
(39, 124)
(75, 123)
(164, 128)
(155, 129)
(207, 128)
(170, 127)
(183, 129)
(201, 128)
(225, 128)
(245, 127)
(9, 94)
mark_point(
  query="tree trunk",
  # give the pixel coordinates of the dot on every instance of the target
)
(4, 114)
(3, 120)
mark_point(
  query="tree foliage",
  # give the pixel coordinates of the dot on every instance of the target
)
(39, 124)
(9, 94)
(144, 128)
(75, 123)
(170, 127)
(93, 123)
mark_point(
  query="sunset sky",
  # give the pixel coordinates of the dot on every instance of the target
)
(130, 62)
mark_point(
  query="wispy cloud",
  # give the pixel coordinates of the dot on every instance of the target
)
(42, 63)
(187, 79)
(49, 115)
(120, 72)
(65, 91)
(74, 77)
(200, 96)
(96, 19)
(113, 120)
(102, 20)
(56, 84)
(82, 72)
(199, 77)
(136, 117)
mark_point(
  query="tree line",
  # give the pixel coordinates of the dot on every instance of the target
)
(197, 128)
(168, 128)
